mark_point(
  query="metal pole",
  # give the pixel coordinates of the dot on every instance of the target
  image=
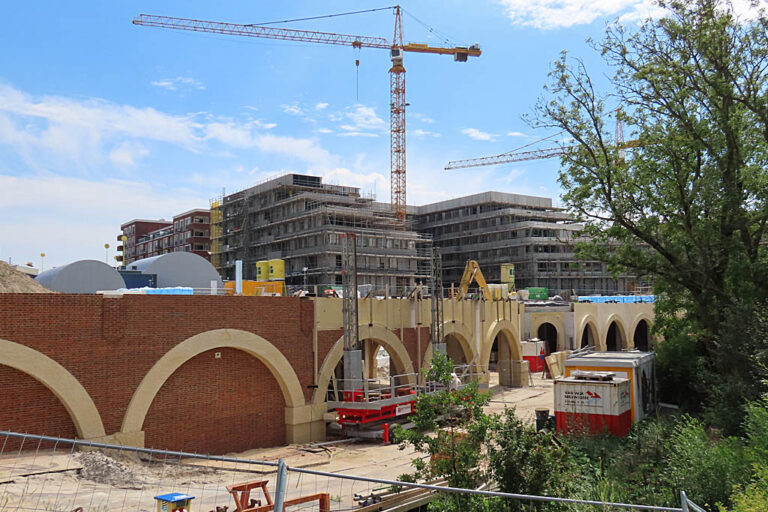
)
(282, 477)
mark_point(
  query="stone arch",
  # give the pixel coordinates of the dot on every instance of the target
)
(509, 332)
(640, 317)
(60, 382)
(556, 319)
(588, 322)
(383, 337)
(463, 334)
(550, 338)
(248, 342)
(620, 330)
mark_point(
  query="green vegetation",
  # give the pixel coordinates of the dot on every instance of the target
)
(685, 203)
(659, 458)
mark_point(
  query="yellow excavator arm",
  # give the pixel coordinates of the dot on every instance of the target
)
(472, 272)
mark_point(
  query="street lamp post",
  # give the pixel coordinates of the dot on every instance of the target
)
(106, 254)
(42, 261)
(305, 277)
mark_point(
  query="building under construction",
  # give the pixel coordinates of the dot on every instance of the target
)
(301, 220)
(496, 228)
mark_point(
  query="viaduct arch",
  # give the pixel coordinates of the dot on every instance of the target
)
(383, 337)
(60, 382)
(248, 342)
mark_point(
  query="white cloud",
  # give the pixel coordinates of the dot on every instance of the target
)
(552, 14)
(424, 133)
(516, 134)
(301, 149)
(324, 130)
(51, 131)
(180, 82)
(321, 106)
(364, 122)
(422, 118)
(128, 153)
(474, 133)
(72, 218)
(293, 109)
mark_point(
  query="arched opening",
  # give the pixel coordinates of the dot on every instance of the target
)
(36, 410)
(614, 340)
(548, 333)
(243, 405)
(454, 349)
(588, 336)
(500, 370)
(642, 336)
(493, 360)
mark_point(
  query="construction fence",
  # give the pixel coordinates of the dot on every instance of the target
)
(44, 473)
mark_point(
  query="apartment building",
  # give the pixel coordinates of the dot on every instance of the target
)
(301, 220)
(188, 232)
(495, 228)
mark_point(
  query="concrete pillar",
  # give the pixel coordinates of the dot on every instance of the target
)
(519, 374)
(305, 423)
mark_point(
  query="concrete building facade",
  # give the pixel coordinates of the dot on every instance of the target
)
(494, 228)
(302, 220)
(188, 232)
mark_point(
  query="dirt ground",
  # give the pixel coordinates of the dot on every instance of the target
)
(63, 480)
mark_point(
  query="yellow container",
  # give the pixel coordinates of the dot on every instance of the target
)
(257, 288)
(262, 270)
(277, 270)
(508, 274)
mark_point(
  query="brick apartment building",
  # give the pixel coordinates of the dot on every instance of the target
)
(188, 232)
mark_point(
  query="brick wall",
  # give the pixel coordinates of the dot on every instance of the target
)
(227, 404)
(28, 406)
(217, 406)
(110, 344)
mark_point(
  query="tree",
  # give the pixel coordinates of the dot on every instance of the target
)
(687, 202)
(451, 428)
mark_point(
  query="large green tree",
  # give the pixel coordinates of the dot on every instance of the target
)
(684, 201)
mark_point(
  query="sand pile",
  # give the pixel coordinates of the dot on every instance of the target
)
(103, 469)
(13, 281)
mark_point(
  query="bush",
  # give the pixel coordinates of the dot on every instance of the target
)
(706, 469)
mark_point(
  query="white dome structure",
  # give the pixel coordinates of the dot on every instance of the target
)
(179, 269)
(84, 276)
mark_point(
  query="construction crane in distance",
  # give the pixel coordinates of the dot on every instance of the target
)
(396, 72)
(539, 154)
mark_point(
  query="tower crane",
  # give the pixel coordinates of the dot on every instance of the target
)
(540, 154)
(396, 72)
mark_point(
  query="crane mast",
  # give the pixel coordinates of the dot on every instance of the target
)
(396, 72)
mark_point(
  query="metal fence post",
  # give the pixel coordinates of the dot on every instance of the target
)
(683, 501)
(282, 476)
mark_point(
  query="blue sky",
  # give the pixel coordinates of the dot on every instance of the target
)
(102, 121)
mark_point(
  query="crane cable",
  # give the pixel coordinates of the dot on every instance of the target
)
(324, 16)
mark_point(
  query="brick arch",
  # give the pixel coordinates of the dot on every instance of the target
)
(509, 331)
(463, 334)
(60, 382)
(383, 337)
(589, 321)
(248, 342)
(619, 326)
